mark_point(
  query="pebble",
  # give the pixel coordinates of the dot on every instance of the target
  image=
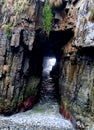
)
(46, 119)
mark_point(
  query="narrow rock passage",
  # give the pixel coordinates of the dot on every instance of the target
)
(44, 115)
(47, 91)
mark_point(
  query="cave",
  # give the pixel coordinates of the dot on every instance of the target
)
(46, 68)
(47, 50)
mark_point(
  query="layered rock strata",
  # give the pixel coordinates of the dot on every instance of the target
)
(77, 70)
(17, 34)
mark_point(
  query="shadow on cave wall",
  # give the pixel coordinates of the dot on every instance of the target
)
(48, 47)
(44, 46)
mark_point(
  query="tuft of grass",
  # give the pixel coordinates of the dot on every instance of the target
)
(47, 17)
(8, 32)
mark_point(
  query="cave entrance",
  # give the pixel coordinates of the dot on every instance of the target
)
(48, 90)
(45, 59)
(58, 39)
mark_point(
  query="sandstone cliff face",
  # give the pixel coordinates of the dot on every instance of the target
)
(18, 22)
(77, 70)
(17, 34)
(76, 89)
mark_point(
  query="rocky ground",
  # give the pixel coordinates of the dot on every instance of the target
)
(44, 116)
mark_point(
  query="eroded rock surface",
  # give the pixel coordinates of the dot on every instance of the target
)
(17, 34)
(76, 87)
(84, 34)
(77, 71)
(18, 90)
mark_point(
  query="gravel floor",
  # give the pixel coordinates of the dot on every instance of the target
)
(41, 117)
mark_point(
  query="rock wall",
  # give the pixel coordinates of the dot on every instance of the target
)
(76, 89)
(17, 34)
(18, 89)
(84, 34)
(76, 82)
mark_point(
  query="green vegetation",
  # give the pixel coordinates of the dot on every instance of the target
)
(92, 11)
(92, 15)
(13, 104)
(10, 106)
(32, 87)
(14, 24)
(8, 32)
(19, 8)
(20, 100)
(47, 17)
(4, 2)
